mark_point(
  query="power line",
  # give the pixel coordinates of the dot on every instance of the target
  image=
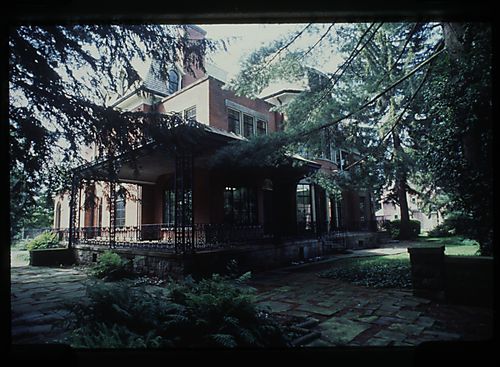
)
(407, 41)
(355, 52)
(285, 46)
(398, 120)
(380, 94)
(319, 40)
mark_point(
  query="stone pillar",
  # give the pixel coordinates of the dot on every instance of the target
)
(428, 272)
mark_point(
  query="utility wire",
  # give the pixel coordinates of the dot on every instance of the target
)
(355, 52)
(318, 41)
(408, 38)
(286, 46)
(398, 120)
(380, 94)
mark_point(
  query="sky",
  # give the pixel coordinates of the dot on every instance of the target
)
(242, 39)
(245, 38)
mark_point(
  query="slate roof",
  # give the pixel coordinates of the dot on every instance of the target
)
(153, 81)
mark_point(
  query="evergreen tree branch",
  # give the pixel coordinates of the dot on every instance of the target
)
(376, 97)
(397, 121)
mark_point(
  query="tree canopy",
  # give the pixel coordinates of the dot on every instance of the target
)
(412, 109)
(61, 80)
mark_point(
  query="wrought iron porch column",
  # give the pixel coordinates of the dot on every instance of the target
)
(75, 183)
(183, 191)
(112, 213)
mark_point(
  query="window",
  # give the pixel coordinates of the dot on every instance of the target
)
(233, 118)
(240, 205)
(190, 113)
(247, 126)
(261, 127)
(304, 207)
(169, 207)
(173, 81)
(120, 211)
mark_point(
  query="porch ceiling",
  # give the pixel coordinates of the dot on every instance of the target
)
(147, 168)
(145, 164)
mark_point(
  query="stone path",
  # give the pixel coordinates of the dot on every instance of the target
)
(345, 314)
(350, 315)
(38, 298)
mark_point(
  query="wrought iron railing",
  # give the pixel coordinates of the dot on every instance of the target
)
(163, 236)
(200, 236)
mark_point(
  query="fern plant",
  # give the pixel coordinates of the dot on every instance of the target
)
(217, 313)
(110, 266)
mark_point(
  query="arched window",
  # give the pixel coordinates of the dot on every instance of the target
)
(173, 81)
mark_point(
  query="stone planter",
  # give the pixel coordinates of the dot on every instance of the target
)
(427, 272)
(52, 257)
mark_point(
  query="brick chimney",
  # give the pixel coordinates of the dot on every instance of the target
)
(194, 33)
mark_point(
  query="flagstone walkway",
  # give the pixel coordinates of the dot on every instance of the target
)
(350, 315)
(341, 314)
(38, 298)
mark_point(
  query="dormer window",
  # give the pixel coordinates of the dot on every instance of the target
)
(173, 81)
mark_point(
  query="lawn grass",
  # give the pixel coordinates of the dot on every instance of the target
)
(393, 271)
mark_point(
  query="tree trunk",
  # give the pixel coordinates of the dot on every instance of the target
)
(401, 183)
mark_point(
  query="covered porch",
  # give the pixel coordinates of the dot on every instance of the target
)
(185, 204)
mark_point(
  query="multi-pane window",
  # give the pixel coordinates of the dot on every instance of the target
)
(233, 118)
(304, 207)
(173, 81)
(190, 113)
(120, 211)
(247, 126)
(169, 207)
(261, 127)
(240, 205)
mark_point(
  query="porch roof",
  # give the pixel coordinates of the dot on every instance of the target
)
(144, 164)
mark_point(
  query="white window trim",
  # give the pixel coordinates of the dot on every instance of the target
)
(242, 111)
(236, 106)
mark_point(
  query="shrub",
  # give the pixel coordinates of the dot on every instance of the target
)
(393, 227)
(43, 240)
(214, 312)
(441, 230)
(110, 266)
(378, 272)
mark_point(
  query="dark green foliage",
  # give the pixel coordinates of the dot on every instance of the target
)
(456, 223)
(62, 79)
(378, 272)
(393, 227)
(43, 240)
(212, 313)
(454, 142)
(110, 266)
(441, 230)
